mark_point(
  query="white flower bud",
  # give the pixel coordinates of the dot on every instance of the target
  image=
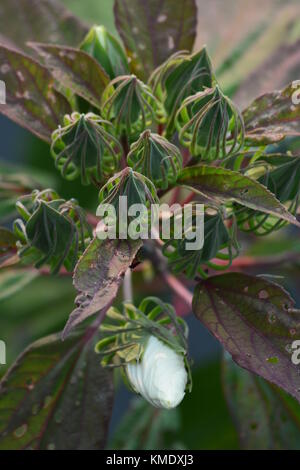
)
(160, 377)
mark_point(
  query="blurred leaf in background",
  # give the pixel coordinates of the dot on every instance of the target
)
(94, 12)
(254, 46)
(40, 309)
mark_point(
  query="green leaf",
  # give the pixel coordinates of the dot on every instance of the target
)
(98, 275)
(32, 101)
(254, 320)
(266, 417)
(56, 396)
(44, 20)
(12, 280)
(272, 117)
(160, 30)
(156, 158)
(210, 125)
(225, 185)
(281, 175)
(75, 69)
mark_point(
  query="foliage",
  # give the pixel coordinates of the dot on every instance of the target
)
(146, 118)
(50, 374)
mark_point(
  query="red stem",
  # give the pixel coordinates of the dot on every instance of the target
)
(180, 290)
(160, 128)
(188, 199)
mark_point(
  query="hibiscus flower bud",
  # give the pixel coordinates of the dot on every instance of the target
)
(160, 376)
(106, 50)
(210, 125)
(149, 343)
(130, 105)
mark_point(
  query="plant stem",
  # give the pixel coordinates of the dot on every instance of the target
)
(260, 261)
(125, 146)
(178, 288)
(127, 286)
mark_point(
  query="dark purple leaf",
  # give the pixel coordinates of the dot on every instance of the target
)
(98, 275)
(56, 396)
(265, 416)
(76, 70)
(254, 320)
(273, 116)
(152, 30)
(38, 20)
(31, 99)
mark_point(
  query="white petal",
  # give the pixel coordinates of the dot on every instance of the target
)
(161, 376)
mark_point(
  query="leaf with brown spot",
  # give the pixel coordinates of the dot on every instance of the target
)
(32, 101)
(255, 321)
(221, 185)
(162, 29)
(75, 69)
(273, 116)
(98, 275)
